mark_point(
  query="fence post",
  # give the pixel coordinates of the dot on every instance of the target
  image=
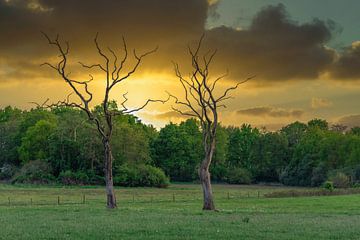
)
(58, 200)
(173, 197)
(31, 201)
(83, 199)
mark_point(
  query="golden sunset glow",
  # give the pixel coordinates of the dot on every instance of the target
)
(304, 68)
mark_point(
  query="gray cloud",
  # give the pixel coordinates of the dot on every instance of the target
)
(348, 64)
(350, 121)
(274, 47)
(271, 112)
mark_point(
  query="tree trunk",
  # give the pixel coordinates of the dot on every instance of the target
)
(111, 199)
(205, 178)
(206, 187)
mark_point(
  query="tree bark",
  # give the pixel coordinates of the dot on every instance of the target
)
(111, 199)
(207, 190)
(205, 178)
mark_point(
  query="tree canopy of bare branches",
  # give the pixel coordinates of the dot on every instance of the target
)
(201, 102)
(112, 67)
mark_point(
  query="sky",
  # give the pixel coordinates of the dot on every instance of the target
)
(305, 54)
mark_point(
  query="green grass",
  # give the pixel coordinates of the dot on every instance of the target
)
(153, 214)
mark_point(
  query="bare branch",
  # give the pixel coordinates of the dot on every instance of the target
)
(233, 88)
(145, 104)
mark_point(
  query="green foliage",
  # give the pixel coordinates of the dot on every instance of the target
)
(318, 123)
(329, 185)
(340, 180)
(239, 176)
(73, 178)
(10, 120)
(178, 150)
(319, 175)
(240, 145)
(34, 144)
(355, 131)
(140, 176)
(299, 154)
(35, 172)
(7, 171)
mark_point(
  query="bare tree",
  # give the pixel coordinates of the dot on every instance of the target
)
(201, 103)
(113, 70)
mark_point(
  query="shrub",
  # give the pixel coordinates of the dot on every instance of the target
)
(341, 180)
(141, 176)
(95, 179)
(7, 171)
(357, 173)
(319, 175)
(239, 176)
(72, 178)
(328, 185)
(35, 172)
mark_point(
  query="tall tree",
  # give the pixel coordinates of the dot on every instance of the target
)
(201, 103)
(114, 74)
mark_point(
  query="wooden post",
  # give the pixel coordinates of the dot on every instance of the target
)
(58, 200)
(83, 199)
(31, 201)
(173, 197)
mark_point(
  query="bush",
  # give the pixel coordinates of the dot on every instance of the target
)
(95, 179)
(239, 176)
(141, 176)
(7, 171)
(329, 186)
(319, 175)
(341, 180)
(35, 172)
(73, 178)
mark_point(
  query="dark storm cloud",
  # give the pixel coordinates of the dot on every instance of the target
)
(274, 48)
(348, 64)
(144, 23)
(271, 112)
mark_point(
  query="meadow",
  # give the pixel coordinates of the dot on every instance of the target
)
(174, 213)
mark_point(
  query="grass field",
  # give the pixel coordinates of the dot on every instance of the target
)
(174, 213)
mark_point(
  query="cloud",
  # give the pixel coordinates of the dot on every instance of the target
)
(274, 47)
(271, 112)
(347, 65)
(350, 121)
(169, 115)
(320, 103)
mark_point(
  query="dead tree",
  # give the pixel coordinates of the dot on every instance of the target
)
(113, 69)
(201, 103)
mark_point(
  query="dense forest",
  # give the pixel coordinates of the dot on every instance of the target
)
(62, 146)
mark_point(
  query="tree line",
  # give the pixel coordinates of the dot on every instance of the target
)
(62, 145)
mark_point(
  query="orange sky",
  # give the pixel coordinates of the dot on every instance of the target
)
(299, 74)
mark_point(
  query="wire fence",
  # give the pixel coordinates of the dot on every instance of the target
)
(57, 200)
